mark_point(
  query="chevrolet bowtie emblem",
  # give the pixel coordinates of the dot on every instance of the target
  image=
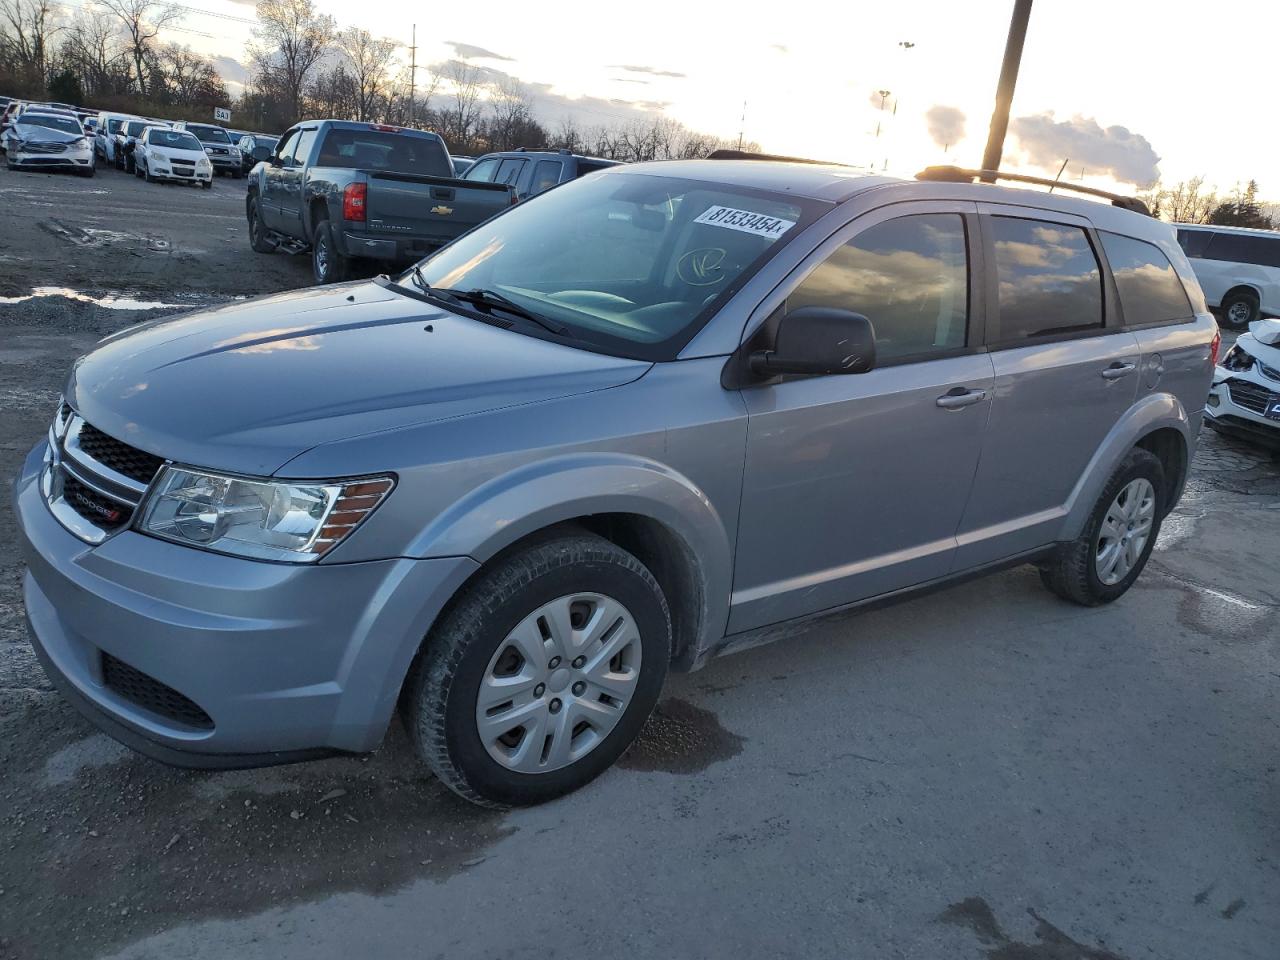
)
(442, 210)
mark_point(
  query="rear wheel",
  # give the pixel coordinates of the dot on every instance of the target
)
(541, 674)
(1105, 560)
(328, 264)
(257, 232)
(1239, 310)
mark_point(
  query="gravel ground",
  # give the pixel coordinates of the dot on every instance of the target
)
(982, 772)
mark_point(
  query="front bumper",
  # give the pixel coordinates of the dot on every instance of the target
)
(183, 176)
(224, 162)
(52, 161)
(1235, 405)
(283, 660)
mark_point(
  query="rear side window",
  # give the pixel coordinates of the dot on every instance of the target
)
(379, 150)
(1050, 281)
(1150, 290)
(909, 277)
(1194, 242)
(546, 174)
(1242, 248)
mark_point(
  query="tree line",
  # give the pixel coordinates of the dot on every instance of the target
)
(1191, 201)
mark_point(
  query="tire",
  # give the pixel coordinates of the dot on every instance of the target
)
(146, 175)
(86, 173)
(328, 264)
(137, 170)
(257, 232)
(208, 185)
(1239, 310)
(1081, 571)
(474, 638)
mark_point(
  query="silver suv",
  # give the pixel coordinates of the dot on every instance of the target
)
(636, 422)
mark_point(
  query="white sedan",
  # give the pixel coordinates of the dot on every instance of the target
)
(164, 154)
(48, 141)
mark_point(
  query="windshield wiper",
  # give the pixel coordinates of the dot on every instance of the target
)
(492, 299)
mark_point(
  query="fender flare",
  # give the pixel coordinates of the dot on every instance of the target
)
(539, 495)
(1154, 412)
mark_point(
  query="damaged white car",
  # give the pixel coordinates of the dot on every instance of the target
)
(48, 141)
(1245, 398)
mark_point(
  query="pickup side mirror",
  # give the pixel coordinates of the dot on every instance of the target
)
(273, 161)
(815, 341)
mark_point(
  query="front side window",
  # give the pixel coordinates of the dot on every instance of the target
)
(631, 264)
(484, 170)
(909, 277)
(509, 170)
(1150, 290)
(286, 148)
(303, 150)
(1049, 279)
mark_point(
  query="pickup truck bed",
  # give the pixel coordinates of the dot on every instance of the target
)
(343, 190)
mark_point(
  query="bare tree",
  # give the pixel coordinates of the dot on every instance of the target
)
(1187, 202)
(188, 77)
(143, 20)
(459, 118)
(95, 51)
(511, 116)
(29, 29)
(292, 36)
(369, 58)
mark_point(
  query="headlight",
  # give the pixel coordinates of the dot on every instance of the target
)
(264, 519)
(1237, 360)
(202, 163)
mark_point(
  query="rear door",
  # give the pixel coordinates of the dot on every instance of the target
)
(1066, 371)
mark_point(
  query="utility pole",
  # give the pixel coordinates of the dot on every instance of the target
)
(1004, 89)
(413, 70)
(742, 124)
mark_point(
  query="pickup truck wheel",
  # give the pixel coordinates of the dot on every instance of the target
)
(1102, 563)
(328, 265)
(257, 232)
(541, 673)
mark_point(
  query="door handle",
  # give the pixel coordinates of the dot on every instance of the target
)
(1118, 370)
(960, 397)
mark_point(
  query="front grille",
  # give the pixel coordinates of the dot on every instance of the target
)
(101, 511)
(117, 455)
(1250, 395)
(152, 695)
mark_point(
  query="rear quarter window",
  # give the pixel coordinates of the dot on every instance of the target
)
(1150, 289)
(1243, 248)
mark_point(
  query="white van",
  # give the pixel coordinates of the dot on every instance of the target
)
(1238, 269)
(104, 138)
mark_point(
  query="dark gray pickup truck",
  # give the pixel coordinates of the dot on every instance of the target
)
(347, 190)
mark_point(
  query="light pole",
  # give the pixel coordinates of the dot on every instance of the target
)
(1004, 89)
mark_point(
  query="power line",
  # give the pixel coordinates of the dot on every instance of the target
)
(219, 16)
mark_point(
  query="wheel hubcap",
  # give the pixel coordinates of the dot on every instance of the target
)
(322, 258)
(1239, 312)
(1125, 530)
(559, 683)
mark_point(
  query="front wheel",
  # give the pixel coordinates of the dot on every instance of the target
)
(328, 264)
(1102, 563)
(541, 674)
(1239, 310)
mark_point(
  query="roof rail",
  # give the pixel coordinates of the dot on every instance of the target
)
(745, 155)
(947, 174)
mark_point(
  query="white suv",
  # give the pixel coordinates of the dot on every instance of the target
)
(1238, 269)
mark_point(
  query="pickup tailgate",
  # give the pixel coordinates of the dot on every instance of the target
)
(432, 208)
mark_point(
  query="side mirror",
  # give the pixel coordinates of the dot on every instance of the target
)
(273, 161)
(818, 340)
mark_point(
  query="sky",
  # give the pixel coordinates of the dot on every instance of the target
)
(1124, 91)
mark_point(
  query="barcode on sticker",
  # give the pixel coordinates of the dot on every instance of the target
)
(747, 221)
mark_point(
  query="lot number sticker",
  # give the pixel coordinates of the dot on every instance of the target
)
(746, 221)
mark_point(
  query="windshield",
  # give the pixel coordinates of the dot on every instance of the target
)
(113, 126)
(53, 122)
(176, 139)
(632, 263)
(135, 127)
(208, 134)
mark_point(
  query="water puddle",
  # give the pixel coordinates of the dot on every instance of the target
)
(681, 738)
(111, 301)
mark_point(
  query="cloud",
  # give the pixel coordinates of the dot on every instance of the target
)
(628, 80)
(946, 124)
(231, 70)
(1114, 151)
(779, 47)
(652, 71)
(470, 51)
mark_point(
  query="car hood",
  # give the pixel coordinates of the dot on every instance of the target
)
(248, 387)
(34, 133)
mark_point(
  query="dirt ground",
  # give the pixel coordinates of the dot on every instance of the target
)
(982, 773)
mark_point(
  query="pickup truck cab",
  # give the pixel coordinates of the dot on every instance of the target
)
(530, 172)
(661, 412)
(346, 190)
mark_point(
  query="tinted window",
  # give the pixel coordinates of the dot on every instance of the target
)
(1242, 248)
(1150, 291)
(484, 170)
(207, 133)
(385, 151)
(1050, 281)
(546, 174)
(135, 127)
(303, 150)
(908, 276)
(1194, 242)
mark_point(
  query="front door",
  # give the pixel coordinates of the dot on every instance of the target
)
(855, 484)
(272, 187)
